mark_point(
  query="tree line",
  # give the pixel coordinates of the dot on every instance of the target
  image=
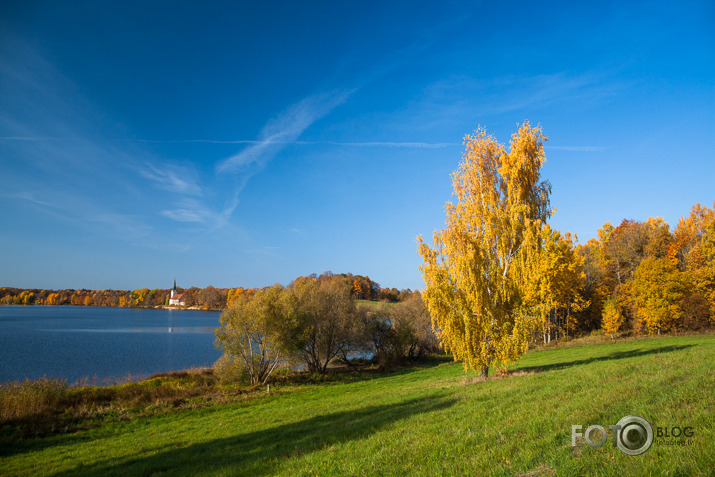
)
(315, 321)
(639, 277)
(645, 278)
(208, 298)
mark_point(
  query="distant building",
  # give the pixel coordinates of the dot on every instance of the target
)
(176, 298)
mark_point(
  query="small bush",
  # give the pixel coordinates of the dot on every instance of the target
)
(229, 369)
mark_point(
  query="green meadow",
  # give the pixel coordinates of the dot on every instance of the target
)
(428, 419)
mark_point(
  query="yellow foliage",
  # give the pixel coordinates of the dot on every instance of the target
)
(482, 262)
(556, 292)
(657, 290)
(612, 317)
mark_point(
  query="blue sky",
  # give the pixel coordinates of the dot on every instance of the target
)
(247, 143)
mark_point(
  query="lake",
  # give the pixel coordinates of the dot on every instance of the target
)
(102, 344)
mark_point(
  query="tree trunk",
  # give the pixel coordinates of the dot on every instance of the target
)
(485, 372)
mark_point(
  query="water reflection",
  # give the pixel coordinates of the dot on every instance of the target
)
(170, 329)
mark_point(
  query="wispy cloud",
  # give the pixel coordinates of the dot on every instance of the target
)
(407, 144)
(60, 162)
(53, 126)
(284, 129)
(30, 197)
(546, 90)
(193, 210)
(131, 227)
(172, 178)
(152, 173)
(185, 215)
(461, 98)
(75, 210)
(189, 141)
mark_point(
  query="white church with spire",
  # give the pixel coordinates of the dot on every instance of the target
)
(176, 298)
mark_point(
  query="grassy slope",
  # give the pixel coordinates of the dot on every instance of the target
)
(429, 420)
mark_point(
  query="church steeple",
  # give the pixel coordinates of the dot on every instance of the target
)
(176, 299)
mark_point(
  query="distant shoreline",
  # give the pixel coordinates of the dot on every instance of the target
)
(158, 307)
(174, 307)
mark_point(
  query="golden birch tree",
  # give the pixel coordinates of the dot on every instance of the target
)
(479, 266)
(612, 317)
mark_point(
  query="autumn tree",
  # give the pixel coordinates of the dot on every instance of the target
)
(624, 248)
(211, 298)
(326, 320)
(234, 293)
(689, 238)
(478, 269)
(556, 292)
(595, 288)
(138, 296)
(395, 332)
(53, 299)
(657, 291)
(706, 280)
(658, 237)
(190, 296)
(414, 324)
(25, 297)
(358, 289)
(612, 317)
(258, 331)
(611, 261)
(693, 251)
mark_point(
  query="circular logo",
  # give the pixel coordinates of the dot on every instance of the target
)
(635, 435)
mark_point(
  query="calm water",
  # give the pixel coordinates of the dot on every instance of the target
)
(76, 342)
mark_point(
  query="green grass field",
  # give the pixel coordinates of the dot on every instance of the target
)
(431, 419)
(375, 304)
